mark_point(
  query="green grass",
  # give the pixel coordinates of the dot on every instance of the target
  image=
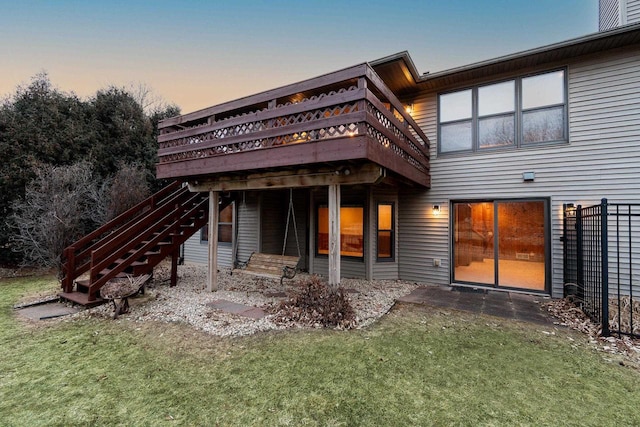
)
(415, 367)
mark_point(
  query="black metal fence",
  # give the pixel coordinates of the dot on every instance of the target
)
(602, 264)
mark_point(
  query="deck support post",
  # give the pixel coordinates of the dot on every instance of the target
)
(174, 266)
(212, 276)
(334, 235)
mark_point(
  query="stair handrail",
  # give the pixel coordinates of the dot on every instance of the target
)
(157, 205)
(126, 216)
(161, 224)
(126, 236)
(78, 250)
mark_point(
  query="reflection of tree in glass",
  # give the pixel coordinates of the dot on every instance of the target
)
(543, 125)
(496, 131)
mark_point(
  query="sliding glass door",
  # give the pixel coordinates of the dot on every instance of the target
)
(501, 243)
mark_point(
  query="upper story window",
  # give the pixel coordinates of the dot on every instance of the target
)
(513, 113)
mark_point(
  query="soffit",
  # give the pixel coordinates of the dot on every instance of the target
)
(401, 76)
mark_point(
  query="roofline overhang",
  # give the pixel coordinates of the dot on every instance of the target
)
(590, 43)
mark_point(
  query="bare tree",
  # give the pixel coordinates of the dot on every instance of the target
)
(127, 188)
(151, 102)
(58, 208)
(63, 203)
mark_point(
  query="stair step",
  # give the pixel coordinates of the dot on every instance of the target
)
(82, 286)
(160, 243)
(138, 263)
(81, 298)
(173, 233)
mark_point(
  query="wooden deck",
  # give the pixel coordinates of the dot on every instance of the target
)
(344, 119)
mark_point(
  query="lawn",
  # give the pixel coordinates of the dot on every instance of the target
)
(415, 367)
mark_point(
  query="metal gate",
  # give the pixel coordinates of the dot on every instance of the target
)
(602, 263)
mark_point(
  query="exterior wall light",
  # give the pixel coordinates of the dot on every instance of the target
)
(409, 108)
(436, 210)
(570, 209)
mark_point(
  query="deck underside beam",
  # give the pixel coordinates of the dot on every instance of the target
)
(369, 173)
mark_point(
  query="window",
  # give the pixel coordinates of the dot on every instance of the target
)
(501, 243)
(514, 113)
(496, 115)
(456, 121)
(385, 231)
(543, 107)
(351, 231)
(225, 227)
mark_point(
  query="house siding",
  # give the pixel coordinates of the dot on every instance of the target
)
(248, 224)
(271, 222)
(274, 212)
(599, 161)
(197, 251)
(609, 14)
(633, 11)
(293, 248)
(615, 13)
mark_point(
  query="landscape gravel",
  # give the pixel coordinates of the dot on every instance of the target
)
(187, 302)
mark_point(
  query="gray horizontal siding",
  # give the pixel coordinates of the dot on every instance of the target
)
(633, 11)
(348, 268)
(609, 13)
(274, 215)
(198, 251)
(273, 210)
(248, 228)
(601, 160)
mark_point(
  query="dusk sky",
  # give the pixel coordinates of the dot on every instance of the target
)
(201, 53)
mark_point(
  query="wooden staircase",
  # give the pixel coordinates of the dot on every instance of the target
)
(133, 243)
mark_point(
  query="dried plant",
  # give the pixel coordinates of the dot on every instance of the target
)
(317, 303)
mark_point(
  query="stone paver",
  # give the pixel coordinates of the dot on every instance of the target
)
(47, 311)
(509, 305)
(235, 308)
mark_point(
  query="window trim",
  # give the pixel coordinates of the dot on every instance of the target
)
(548, 240)
(518, 115)
(204, 231)
(317, 233)
(392, 231)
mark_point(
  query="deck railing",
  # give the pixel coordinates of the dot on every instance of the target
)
(353, 103)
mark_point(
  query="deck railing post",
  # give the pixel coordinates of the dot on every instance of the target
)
(604, 247)
(93, 275)
(70, 269)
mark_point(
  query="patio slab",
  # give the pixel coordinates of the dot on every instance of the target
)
(508, 305)
(47, 311)
(235, 308)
